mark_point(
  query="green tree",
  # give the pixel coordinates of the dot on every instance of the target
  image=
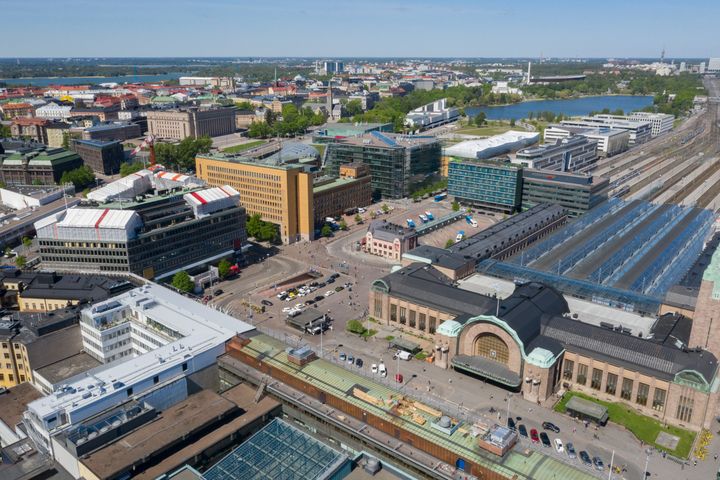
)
(355, 326)
(27, 242)
(456, 206)
(182, 282)
(512, 122)
(385, 208)
(353, 107)
(182, 155)
(269, 117)
(358, 218)
(450, 242)
(261, 230)
(326, 231)
(21, 261)
(259, 130)
(128, 168)
(480, 119)
(79, 177)
(224, 268)
(245, 106)
(4, 131)
(37, 181)
(7, 250)
(343, 225)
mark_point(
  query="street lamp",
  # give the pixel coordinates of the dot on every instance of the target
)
(510, 395)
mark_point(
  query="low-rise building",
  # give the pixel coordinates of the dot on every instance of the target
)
(389, 240)
(494, 185)
(31, 128)
(396, 161)
(102, 113)
(13, 110)
(102, 156)
(112, 131)
(572, 154)
(333, 196)
(661, 122)
(21, 197)
(37, 165)
(575, 192)
(432, 115)
(53, 111)
(193, 122)
(640, 131)
(156, 236)
(610, 141)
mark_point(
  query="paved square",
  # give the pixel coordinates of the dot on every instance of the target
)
(668, 441)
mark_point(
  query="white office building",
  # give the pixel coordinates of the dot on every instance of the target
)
(572, 154)
(432, 115)
(640, 130)
(713, 65)
(610, 141)
(154, 338)
(661, 122)
(53, 111)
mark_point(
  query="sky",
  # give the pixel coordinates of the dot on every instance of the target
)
(368, 28)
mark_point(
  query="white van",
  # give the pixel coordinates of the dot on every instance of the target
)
(402, 354)
(382, 371)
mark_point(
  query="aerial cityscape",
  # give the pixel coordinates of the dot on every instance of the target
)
(391, 240)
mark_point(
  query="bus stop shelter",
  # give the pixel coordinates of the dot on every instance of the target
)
(587, 410)
(406, 345)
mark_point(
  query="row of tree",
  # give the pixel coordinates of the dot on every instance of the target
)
(181, 155)
(293, 122)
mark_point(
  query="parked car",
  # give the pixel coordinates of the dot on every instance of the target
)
(559, 445)
(585, 458)
(599, 465)
(286, 309)
(550, 426)
(218, 291)
(342, 356)
(545, 439)
(267, 303)
(309, 302)
(511, 424)
(339, 288)
(359, 362)
(374, 368)
(318, 298)
(522, 430)
(570, 449)
(350, 359)
(329, 292)
(382, 371)
(534, 436)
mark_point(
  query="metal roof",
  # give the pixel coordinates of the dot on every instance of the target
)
(98, 218)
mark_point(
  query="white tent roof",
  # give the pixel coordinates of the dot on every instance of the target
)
(97, 218)
(470, 148)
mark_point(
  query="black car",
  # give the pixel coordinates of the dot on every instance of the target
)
(318, 298)
(321, 284)
(585, 458)
(334, 276)
(359, 362)
(522, 430)
(511, 423)
(551, 426)
(329, 280)
(217, 292)
(544, 439)
(309, 302)
(267, 303)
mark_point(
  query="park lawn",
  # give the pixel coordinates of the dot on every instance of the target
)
(243, 147)
(643, 427)
(485, 131)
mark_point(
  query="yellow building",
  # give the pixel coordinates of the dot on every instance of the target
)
(280, 193)
(14, 366)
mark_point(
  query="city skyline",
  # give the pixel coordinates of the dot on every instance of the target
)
(458, 28)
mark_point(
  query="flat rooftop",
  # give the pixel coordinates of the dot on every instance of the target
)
(383, 402)
(14, 402)
(189, 416)
(66, 368)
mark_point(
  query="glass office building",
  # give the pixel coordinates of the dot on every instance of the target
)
(493, 184)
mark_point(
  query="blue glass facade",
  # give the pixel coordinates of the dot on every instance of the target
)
(495, 185)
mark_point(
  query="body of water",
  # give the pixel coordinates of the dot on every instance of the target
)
(46, 81)
(572, 107)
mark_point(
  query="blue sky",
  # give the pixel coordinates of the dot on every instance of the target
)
(480, 28)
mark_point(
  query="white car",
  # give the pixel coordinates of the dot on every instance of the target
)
(374, 368)
(286, 309)
(300, 306)
(329, 292)
(559, 445)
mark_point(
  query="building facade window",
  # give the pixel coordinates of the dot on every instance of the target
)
(378, 308)
(568, 369)
(582, 374)
(659, 400)
(684, 408)
(626, 390)
(393, 313)
(642, 393)
(433, 324)
(596, 380)
(411, 321)
(403, 315)
(611, 384)
(421, 321)
(491, 346)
